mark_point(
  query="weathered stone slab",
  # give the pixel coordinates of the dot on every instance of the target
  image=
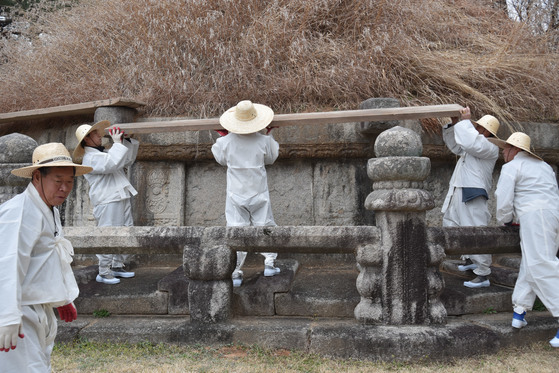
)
(160, 201)
(210, 301)
(258, 295)
(320, 291)
(176, 285)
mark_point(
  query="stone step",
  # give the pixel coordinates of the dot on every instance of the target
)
(299, 290)
(504, 269)
(139, 295)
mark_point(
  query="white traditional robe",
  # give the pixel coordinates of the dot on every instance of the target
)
(527, 193)
(35, 276)
(474, 169)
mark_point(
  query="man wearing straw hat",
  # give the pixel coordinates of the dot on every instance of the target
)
(35, 271)
(527, 193)
(109, 188)
(246, 152)
(466, 201)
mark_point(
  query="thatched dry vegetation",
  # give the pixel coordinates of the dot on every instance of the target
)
(199, 57)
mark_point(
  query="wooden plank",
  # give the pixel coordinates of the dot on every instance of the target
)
(281, 120)
(67, 110)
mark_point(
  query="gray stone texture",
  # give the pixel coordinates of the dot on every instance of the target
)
(398, 282)
(210, 301)
(16, 150)
(476, 335)
(114, 114)
(208, 262)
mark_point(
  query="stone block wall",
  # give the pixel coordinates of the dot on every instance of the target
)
(319, 179)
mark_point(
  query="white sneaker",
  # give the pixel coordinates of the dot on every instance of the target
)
(237, 278)
(120, 272)
(478, 282)
(554, 342)
(271, 271)
(518, 320)
(107, 279)
(467, 266)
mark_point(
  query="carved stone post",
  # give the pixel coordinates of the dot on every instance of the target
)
(16, 151)
(210, 289)
(399, 281)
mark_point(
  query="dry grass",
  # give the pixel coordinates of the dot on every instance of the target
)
(199, 57)
(97, 357)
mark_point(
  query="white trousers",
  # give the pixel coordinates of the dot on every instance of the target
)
(473, 213)
(113, 214)
(539, 267)
(255, 211)
(33, 351)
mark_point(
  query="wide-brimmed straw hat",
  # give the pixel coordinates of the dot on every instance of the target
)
(490, 123)
(246, 118)
(518, 139)
(84, 130)
(53, 154)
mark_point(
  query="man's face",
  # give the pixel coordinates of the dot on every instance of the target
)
(55, 186)
(94, 139)
(482, 130)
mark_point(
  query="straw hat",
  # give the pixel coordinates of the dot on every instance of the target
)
(490, 123)
(246, 118)
(84, 130)
(53, 154)
(517, 139)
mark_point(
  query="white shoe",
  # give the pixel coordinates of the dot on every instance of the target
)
(271, 271)
(467, 266)
(237, 278)
(478, 282)
(107, 279)
(518, 320)
(554, 342)
(120, 272)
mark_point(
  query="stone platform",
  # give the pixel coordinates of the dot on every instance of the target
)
(308, 307)
(307, 288)
(333, 337)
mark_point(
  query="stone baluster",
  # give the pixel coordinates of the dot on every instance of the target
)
(210, 288)
(399, 282)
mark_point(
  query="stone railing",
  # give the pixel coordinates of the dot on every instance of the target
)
(399, 280)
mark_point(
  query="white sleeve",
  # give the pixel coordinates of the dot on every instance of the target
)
(272, 150)
(132, 146)
(18, 241)
(474, 143)
(504, 194)
(450, 141)
(218, 150)
(106, 163)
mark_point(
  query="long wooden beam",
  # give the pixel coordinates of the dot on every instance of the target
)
(67, 110)
(281, 120)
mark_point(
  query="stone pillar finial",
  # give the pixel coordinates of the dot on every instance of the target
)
(16, 150)
(399, 281)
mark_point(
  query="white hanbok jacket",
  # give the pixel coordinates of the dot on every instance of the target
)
(245, 157)
(34, 257)
(474, 169)
(108, 181)
(526, 184)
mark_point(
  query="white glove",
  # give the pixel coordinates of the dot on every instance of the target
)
(8, 336)
(116, 134)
